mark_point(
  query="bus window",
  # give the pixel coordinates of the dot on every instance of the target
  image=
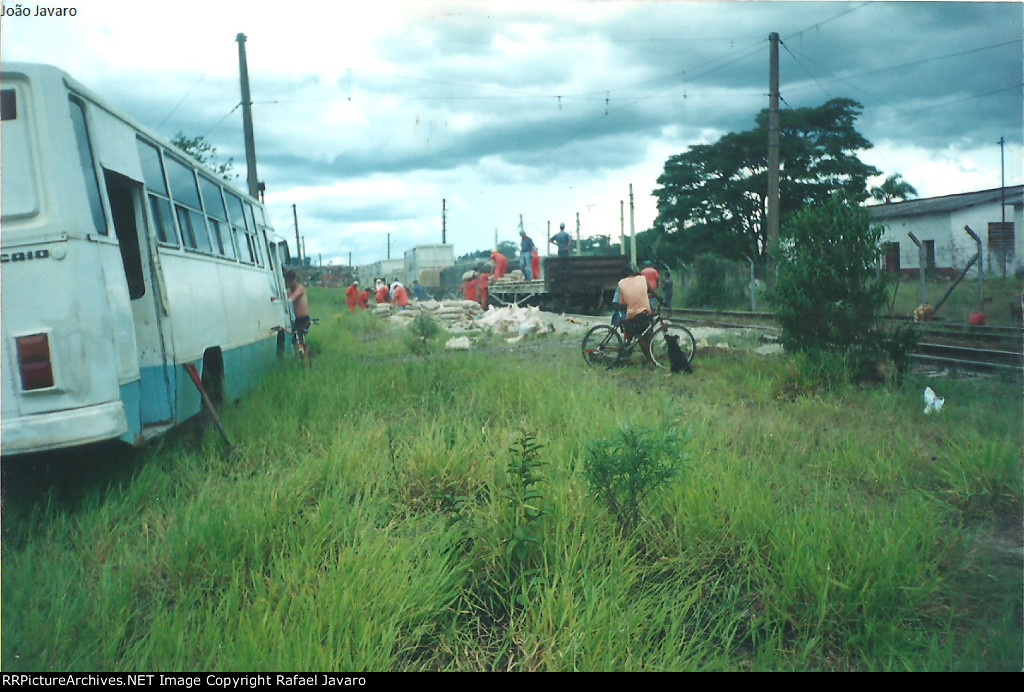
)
(8, 104)
(156, 187)
(88, 166)
(188, 206)
(19, 189)
(163, 219)
(254, 242)
(217, 216)
(152, 168)
(237, 214)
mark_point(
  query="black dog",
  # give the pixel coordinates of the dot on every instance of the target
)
(676, 356)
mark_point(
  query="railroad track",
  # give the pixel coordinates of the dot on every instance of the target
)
(964, 347)
(974, 359)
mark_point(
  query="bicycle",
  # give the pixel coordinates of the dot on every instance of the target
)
(303, 351)
(610, 345)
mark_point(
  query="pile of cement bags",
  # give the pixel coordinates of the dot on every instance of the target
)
(450, 314)
(466, 316)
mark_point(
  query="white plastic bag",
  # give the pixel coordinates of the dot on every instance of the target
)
(932, 403)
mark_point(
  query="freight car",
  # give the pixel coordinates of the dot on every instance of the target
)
(569, 284)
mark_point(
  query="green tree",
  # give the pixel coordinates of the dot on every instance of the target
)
(205, 153)
(713, 197)
(893, 189)
(598, 245)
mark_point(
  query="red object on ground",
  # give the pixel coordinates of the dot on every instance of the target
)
(977, 319)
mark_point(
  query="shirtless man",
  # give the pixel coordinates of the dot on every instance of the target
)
(300, 301)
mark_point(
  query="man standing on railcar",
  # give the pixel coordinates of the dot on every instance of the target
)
(526, 247)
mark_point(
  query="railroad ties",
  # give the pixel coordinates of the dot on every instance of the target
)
(964, 347)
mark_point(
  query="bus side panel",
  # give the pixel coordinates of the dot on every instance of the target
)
(245, 366)
(227, 307)
(74, 312)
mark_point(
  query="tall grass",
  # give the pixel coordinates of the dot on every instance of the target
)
(368, 521)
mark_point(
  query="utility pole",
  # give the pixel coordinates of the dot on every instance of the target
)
(622, 227)
(298, 247)
(773, 157)
(632, 229)
(1002, 206)
(577, 234)
(250, 142)
(444, 221)
(389, 246)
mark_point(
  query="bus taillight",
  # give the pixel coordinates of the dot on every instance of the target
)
(34, 362)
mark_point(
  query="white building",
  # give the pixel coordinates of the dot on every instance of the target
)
(938, 224)
(387, 269)
(424, 263)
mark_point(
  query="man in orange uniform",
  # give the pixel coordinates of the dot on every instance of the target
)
(482, 285)
(651, 274)
(382, 294)
(352, 296)
(536, 264)
(500, 264)
(469, 283)
(401, 296)
(364, 299)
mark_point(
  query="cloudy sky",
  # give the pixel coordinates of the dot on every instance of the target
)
(372, 117)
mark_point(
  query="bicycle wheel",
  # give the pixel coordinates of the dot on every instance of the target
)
(659, 345)
(302, 353)
(602, 345)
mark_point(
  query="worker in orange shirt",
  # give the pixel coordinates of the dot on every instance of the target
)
(469, 283)
(401, 297)
(482, 286)
(364, 299)
(536, 264)
(352, 296)
(382, 294)
(500, 264)
(651, 274)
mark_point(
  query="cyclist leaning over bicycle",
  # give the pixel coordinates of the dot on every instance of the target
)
(300, 302)
(633, 296)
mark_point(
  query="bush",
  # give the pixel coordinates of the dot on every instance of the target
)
(624, 470)
(828, 296)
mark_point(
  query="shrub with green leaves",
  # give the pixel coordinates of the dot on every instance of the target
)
(828, 298)
(422, 329)
(623, 470)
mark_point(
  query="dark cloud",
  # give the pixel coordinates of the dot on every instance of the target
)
(529, 99)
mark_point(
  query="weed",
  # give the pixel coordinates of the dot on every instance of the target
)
(422, 329)
(624, 470)
(523, 498)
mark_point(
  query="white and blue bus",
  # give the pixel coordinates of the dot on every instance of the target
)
(122, 260)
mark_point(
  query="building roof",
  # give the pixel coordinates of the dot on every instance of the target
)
(948, 203)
